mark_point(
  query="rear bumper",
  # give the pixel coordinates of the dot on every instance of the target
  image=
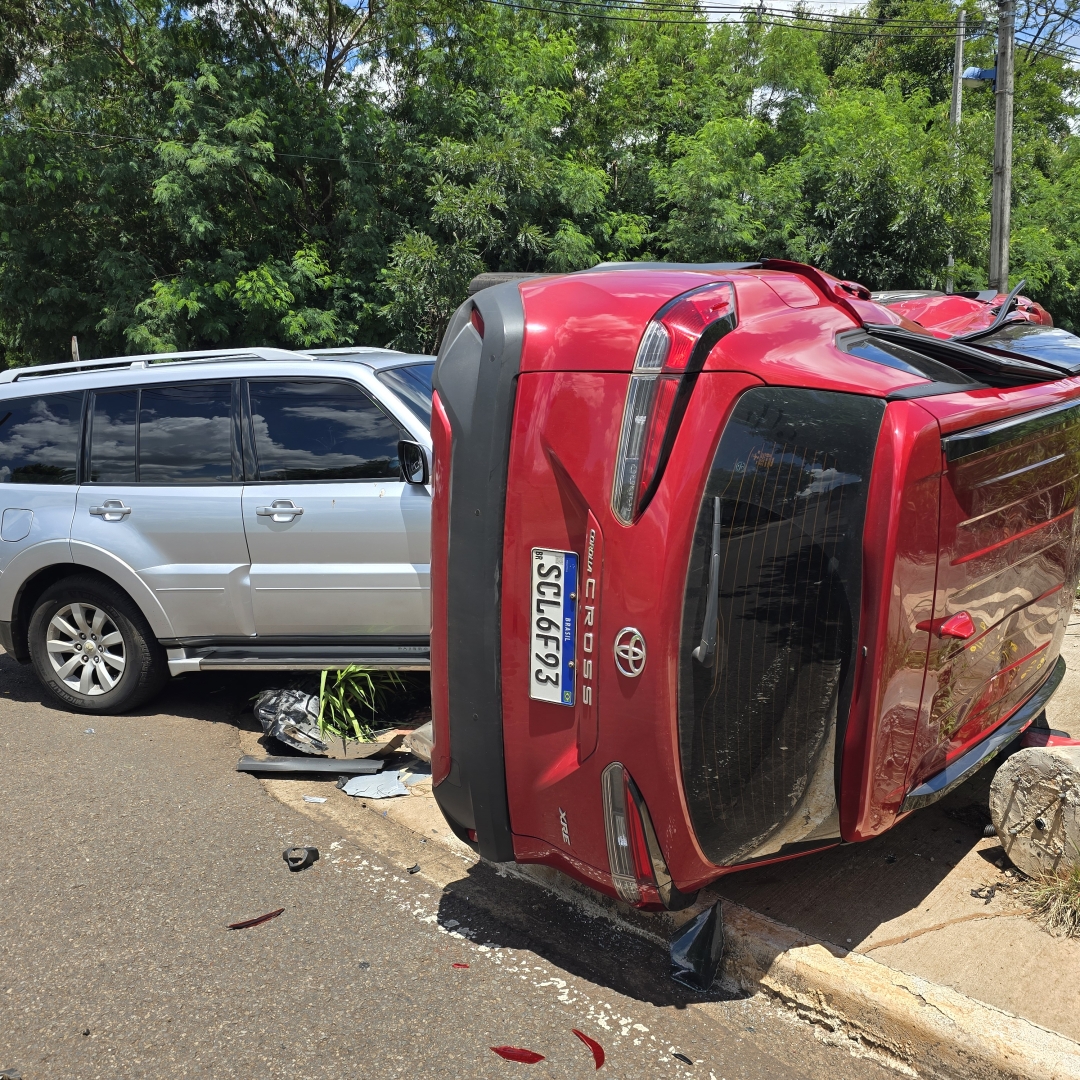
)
(965, 766)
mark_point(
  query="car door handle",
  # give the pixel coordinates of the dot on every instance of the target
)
(282, 510)
(111, 510)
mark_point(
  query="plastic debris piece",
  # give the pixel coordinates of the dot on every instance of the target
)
(682, 1057)
(697, 950)
(88, 731)
(415, 774)
(518, 1053)
(10, 1074)
(597, 1050)
(890, 858)
(243, 925)
(365, 965)
(414, 869)
(985, 892)
(384, 785)
(308, 764)
(300, 858)
(314, 798)
(459, 966)
(291, 717)
(421, 741)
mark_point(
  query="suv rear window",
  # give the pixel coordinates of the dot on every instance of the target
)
(316, 429)
(39, 439)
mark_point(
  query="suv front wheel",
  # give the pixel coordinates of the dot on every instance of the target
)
(92, 648)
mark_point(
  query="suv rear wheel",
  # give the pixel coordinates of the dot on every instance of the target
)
(92, 648)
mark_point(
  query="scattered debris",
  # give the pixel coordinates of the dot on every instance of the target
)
(365, 965)
(88, 731)
(985, 892)
(257, 920)
(593, 1045)
(459, 966)
(380, 786)
(300, 858)
(697, 950)
(291, 717)
(415, 773)
(517, 1053)
(681, 1057)
(890, 858)
(414, 869)
(341, 766)
(421, 741)
(10, 1074)
(314, 798)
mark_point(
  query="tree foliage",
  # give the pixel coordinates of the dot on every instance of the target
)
(189, 173)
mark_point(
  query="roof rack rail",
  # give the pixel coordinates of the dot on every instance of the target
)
(145, 360)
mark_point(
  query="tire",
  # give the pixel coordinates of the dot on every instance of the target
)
(92, 649)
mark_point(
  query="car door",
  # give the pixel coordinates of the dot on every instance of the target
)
(339, 543)
(163, 496)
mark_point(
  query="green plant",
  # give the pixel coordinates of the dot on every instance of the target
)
(1056, 900)
(349, 699)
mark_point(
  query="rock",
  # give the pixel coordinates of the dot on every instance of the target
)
(1035, 806)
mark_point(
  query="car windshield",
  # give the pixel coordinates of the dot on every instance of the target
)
(412, 384)
(1047, 343)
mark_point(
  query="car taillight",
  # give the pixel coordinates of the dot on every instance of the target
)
(627, 857)
(671, 354)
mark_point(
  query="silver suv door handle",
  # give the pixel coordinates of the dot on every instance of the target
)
(111, 510)
(282, 510)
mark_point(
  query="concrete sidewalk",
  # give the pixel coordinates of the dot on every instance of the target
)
(825, 931)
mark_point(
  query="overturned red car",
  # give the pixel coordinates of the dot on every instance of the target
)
(732, 563)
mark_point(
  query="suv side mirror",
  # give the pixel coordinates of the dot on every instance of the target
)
(414, 462)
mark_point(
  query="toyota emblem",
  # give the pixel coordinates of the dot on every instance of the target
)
(630, 652)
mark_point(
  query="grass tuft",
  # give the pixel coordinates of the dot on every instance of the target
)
(350, 698)
(1056, 900)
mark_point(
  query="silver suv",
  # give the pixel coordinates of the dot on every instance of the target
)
(233, 509)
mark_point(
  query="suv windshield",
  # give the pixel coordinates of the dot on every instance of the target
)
(413, 385)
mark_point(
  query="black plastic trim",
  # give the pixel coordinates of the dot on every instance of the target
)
(968, 764)
(982, 438)
(476, 380)
(6, 638)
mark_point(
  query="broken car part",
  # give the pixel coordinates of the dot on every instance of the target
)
(258, 920)
(383, 786)
(333, 766)
(593, 1045)
(300, 858)
(517, 1053)
(291, 717)
(697, 950)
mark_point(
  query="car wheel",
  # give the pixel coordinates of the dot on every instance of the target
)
(92, 648)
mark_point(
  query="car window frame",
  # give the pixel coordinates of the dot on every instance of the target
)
(250, 453)
(235, 453)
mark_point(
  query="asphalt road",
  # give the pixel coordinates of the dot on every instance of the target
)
(127, 852)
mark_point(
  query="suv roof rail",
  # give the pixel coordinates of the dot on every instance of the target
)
(145, 360)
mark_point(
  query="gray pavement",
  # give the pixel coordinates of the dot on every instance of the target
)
(127, 851)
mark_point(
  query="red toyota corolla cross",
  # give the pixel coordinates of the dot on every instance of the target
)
(732, 563)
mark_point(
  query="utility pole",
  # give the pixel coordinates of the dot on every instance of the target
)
(1003, 124)
(954, 108)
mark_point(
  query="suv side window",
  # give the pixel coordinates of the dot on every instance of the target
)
(320, 429)
(186, 434)
(180, 434)
(39, 439)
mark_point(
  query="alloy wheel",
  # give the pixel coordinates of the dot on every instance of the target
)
(86, 649)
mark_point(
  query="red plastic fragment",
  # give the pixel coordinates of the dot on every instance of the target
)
(255, 922)
(459, 965)
(517, 1053)
(959, 626)
(593, 1045)
(1046, 737)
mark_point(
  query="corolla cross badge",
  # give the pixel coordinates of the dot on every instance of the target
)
(630, 652)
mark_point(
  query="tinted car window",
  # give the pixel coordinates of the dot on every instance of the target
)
(413, 385)
(1049, 343)
(314, 429)
(185, 434)
(39, 439)
(112, 437)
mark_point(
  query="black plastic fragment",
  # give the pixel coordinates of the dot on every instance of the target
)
(697, 950)
(352, 766)
(300, 858)
(682, 1057)
(414, 869)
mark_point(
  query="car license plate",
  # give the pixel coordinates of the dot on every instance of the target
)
(553, 619)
